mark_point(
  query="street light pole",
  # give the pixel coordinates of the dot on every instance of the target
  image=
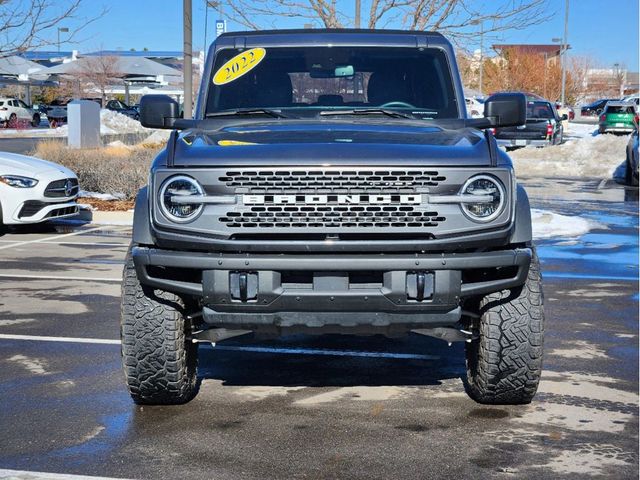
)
(64, 30)
(206, 22)
(358, 8)
(481, 23)
(481, 57)
(187, 73)
(563, 51)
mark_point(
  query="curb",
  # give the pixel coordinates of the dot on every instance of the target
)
(98, 217)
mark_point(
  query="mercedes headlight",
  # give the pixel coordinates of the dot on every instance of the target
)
(18, 182)
(491, 198)
(175, 196)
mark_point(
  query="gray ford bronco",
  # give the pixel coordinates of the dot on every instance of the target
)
(331, 182)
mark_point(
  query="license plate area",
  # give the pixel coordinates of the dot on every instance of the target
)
(520, 143)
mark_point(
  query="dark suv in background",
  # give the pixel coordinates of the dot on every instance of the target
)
(542, 128)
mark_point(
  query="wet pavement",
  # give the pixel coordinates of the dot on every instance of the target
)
(323, 407)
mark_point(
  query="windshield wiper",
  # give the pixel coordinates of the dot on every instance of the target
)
(247, 111)
(367, 111)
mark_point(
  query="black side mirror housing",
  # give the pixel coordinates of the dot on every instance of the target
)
(159, 111)
(564, 117)
(506, 109)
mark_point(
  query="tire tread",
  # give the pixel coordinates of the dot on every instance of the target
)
(158, 360)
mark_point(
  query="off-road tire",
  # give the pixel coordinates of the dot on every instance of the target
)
(159, 359)
(504, 363)
(35, 122)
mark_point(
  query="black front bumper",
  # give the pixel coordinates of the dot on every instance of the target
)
(320, 290)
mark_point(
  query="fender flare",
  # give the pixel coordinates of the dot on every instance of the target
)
(141, 222)
(522, 231)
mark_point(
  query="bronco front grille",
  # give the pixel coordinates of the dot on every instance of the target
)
(331, 181)
(344, 216)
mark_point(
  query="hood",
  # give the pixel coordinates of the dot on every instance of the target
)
(331, 143)
(15, 164)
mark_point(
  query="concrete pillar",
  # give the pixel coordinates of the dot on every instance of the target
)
(83, 119)
(126, 92)
(27, 94)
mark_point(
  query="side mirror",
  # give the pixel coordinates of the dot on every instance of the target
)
(564, 117)
(506, 110)
(158, 111)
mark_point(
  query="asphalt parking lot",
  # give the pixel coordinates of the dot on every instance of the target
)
(322, 407)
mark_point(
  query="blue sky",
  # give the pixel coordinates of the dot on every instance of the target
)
(606, 30)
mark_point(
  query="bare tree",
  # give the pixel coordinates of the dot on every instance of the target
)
(31, 24)
(456, 18)
(98, 74)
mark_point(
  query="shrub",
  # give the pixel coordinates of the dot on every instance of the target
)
(120, 170)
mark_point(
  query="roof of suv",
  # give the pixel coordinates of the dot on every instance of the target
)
(324, 31)
(619, 103)
(337, 37)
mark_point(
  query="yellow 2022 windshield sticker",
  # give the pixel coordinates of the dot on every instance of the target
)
(239, 65)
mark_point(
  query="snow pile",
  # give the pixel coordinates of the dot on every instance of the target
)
(590, 156)
(101, 196)
(548, 224)
(111, 123)
(157, 137)
(118, 123)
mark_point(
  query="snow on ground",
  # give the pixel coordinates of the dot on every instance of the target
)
(580, 130)
(111, 123)
(547, 224)
(157, 137)
(100, 196)
(584, 155)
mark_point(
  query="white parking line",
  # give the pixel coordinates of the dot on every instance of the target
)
(99, 341)
(60, 277)
(232, 348)
(90, 244)
(26, 475)
(64, 235)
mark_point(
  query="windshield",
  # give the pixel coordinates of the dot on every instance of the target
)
(304, 81)
(539, 110)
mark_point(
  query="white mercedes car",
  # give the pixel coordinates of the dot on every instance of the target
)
(34, 190)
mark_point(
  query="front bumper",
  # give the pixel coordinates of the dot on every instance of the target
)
(36, 211)
(320, 290)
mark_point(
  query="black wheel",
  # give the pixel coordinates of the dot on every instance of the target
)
(504, 363)
(629, 177)
(13, 121)
(158, 357)
(3, 227)
(36, 120)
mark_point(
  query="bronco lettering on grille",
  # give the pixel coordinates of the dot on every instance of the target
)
(331, 199)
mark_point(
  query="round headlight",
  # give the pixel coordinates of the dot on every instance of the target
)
(174, 198)
(491, 198)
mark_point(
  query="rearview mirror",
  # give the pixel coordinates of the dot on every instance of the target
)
(158, 111)
(506, 109)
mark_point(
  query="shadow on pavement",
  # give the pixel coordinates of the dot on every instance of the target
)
(359, 361)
